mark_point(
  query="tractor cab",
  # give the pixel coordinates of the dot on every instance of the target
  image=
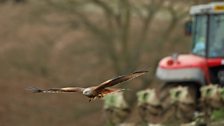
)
(205, 63)
(208, 30)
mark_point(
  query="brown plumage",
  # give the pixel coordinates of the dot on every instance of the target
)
(94, 91)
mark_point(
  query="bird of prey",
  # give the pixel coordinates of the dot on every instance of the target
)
(93, 92)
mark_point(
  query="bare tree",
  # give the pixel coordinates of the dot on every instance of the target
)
(123, 28)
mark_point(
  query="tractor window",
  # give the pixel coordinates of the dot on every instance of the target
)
(216, 36)
(199, 38)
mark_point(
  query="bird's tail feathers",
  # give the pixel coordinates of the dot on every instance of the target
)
(38, 90)
(34, 90)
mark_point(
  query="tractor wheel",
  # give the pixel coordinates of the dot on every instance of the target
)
(167, 109)
(165, 95)
(186, 110)
(181, 110)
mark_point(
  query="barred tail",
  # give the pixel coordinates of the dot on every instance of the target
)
(38, 90)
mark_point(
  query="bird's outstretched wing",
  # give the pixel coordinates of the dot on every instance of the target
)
(119, 79)
(56, 90)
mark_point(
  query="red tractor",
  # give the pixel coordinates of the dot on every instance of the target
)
(205, 64)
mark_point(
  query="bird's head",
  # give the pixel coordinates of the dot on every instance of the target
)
(87, 92)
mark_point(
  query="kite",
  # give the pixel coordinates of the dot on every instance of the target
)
(93, 92)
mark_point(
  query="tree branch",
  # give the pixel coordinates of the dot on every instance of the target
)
(152, 9)
(107, 9)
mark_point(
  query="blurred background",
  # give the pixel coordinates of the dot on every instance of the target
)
(58, 43)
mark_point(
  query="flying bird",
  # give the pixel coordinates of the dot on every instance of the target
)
(93, 92)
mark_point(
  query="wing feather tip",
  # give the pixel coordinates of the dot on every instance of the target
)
(142, 71)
